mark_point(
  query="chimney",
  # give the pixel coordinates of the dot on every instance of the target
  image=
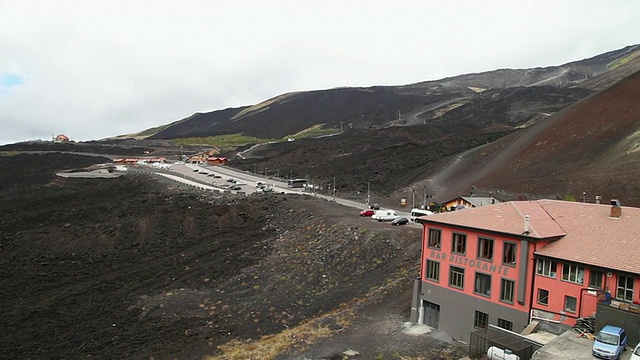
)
(598, 198)
(616, 210)
(526, 225)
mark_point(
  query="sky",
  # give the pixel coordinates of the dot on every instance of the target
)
(93, 69)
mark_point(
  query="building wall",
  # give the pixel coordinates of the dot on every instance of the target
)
(458, 305)
(586, 297)
(457, 311)
(458, 201)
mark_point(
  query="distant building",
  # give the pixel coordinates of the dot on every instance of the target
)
(61, 138)
(198, 158)
(467, 202)
(217, 161)
(202, 157)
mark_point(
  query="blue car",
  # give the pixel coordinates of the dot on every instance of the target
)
(610, 342)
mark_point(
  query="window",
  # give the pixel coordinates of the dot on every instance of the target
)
(459, 244)
(456, 277)
(480, 319)
(595, 279)
(433, 270)
(506, 290)
(573, 273)
(570, 303)
(483, 284)
(485, 249)
(505, 324)
(625, 288)
(434, 238)
(543, 296)
(509, 256)
(546, 268)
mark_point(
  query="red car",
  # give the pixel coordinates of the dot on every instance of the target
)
(367, 212)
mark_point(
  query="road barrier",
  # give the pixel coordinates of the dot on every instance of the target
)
(182, 182)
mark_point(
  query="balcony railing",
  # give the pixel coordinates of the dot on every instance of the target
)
(606, 299)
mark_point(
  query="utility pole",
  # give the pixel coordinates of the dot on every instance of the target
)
(368, 192)
(425, 198)
(413, 196)
(334, 188)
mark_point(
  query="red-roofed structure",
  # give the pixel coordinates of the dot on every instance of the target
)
(61, 138)
(509, 263)
(217, 161)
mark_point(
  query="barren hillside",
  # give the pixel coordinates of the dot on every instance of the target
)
(129, 268)
(590, 147)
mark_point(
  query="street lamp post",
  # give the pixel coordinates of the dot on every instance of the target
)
(334, 188)
(413, 196)
(368, 192)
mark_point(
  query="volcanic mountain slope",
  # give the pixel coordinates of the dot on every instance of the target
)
(383, 106)
(591, 147)
(588, 147)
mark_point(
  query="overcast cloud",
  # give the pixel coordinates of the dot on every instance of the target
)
(94, 69)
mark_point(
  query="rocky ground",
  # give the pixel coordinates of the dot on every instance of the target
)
(132, 268)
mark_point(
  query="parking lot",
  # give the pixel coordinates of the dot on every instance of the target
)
(571, 347)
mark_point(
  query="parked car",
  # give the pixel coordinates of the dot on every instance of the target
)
(610, 342)
(400, 221)
(635, 355)
(384, 215)
(374, 206)
(235, 187)
(415, 213)
(367, 212)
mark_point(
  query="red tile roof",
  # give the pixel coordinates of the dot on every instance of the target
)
(594, 237)
(588, 234)
(508, 218)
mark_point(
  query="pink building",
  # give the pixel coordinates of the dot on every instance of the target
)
(510, 263)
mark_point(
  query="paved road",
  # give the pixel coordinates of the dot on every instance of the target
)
(186, 172)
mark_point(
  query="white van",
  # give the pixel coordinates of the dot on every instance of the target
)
(384, 215)
(419, 212)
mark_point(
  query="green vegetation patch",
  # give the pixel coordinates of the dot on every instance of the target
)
(624, 60)
(314, 131)
(223, 142)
